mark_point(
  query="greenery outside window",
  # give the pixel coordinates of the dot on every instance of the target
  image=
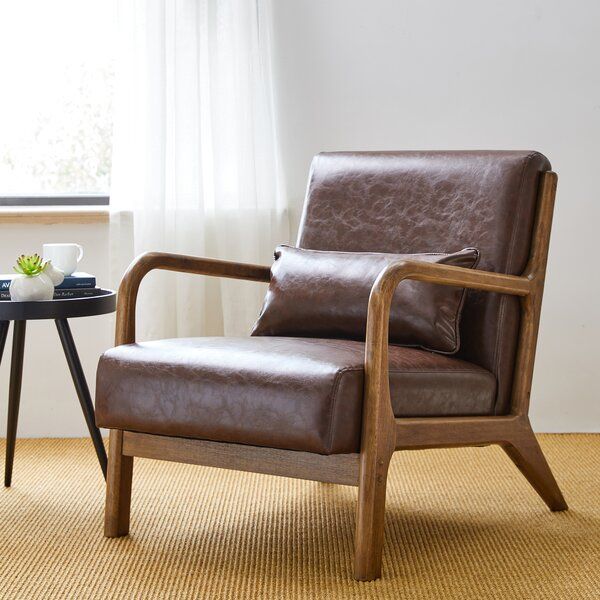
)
(56, 102)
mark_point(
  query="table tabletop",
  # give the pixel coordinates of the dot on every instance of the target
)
(63, 308)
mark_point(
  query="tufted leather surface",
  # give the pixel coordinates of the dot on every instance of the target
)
(411, 202)
(291, 393)
(326, 295)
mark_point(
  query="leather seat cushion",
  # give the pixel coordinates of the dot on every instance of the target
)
(292, 393)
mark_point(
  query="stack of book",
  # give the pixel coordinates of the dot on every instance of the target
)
(77, 285)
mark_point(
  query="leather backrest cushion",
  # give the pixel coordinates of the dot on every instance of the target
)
(439, 201)
(323, 294)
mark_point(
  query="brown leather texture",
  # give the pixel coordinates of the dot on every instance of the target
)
(291, 393)
(325, 294)
(438, 201)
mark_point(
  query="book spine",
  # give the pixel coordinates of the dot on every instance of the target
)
(69, 283)
(62, 294)
(76, 293)
(77, 282)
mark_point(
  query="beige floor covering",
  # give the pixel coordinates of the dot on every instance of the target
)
(460, 523)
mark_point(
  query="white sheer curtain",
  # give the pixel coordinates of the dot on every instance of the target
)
(195, 164)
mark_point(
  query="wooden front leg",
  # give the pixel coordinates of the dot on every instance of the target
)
(370, 516)
(118, 488)
(378, 441)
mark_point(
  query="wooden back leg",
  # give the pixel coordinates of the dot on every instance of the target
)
(524, 450)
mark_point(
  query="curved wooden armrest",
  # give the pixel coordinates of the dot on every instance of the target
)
(377, 410)
(143, 264)
(391, 276)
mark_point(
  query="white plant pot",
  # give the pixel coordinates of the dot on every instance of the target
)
(24, 289)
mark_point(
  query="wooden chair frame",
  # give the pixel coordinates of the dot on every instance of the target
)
(382, 433)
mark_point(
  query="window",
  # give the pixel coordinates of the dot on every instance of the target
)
(57, 73)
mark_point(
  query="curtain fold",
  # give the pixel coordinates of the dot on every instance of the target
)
(195, 160)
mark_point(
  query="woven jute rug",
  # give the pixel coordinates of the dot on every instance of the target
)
(460, 523)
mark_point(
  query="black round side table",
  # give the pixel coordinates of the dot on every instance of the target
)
(60, 311)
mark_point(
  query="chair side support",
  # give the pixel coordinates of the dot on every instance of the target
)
(120, 464)
(150, 261)
(382, 433)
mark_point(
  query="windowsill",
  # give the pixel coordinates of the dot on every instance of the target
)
(53, 215)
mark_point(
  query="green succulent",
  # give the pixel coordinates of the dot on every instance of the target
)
(31, 265)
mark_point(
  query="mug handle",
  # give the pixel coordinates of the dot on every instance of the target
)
(80, 252)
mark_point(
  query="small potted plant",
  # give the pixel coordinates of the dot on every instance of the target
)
(35, 279)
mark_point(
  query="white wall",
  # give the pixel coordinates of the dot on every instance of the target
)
(49, 405)
(516, 74)
(400, 74)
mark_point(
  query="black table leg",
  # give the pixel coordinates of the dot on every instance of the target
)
(14, 397)
(3, 334)
(83, 393)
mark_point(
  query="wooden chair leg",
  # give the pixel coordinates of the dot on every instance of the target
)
(370, 517)
(527, 455)
(118, 488)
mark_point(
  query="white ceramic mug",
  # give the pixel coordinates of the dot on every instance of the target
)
(64, 256)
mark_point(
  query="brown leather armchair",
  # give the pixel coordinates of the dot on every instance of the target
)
(270, 404)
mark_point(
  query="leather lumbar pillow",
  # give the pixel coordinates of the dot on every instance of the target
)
(316, 293)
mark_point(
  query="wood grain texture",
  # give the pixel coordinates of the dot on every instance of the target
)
(118, 488)
(450, 432)
(531, 306)
(524, 450)
(340, 468)
(377, 446)
(52, 216)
